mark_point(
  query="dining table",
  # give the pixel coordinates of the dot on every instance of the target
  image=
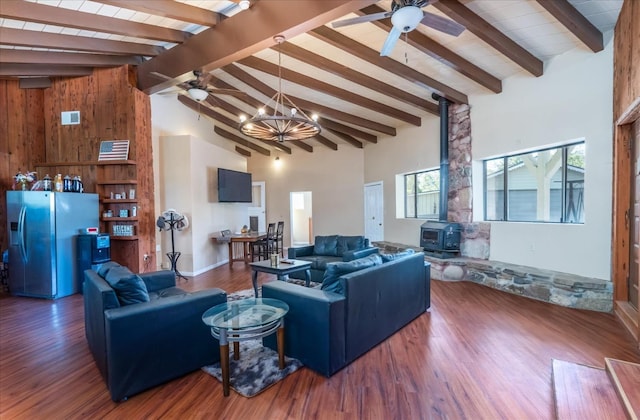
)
(240, 245)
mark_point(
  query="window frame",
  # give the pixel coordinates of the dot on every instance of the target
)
(415, 193)
(564, 149)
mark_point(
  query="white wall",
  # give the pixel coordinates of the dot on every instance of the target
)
(572, 100)
(187, 154)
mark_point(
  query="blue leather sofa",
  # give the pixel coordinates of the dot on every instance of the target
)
(332, 248)
(143, 330)
(327, 330)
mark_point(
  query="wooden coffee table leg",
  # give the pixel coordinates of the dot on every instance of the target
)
(280, 335)
(224, 361)
(236, 350)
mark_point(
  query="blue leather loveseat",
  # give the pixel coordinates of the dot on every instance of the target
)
(328, 329)
(332, 248)
(143, 330)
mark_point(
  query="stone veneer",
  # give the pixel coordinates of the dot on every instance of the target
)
(563, 289)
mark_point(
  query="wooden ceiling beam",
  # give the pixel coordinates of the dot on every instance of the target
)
(486, 32)
(326, 142)
(49, 70)
(329, 89)
(335, 126)
(351, 140)
(302, 145)
(256, 84)
(49, 15)
(26, 38)
(65, 58)
(372, 56)
(362, 79)
(243, 35)
(575, 22)
(243, 152)
(433, 49)
(171, 9)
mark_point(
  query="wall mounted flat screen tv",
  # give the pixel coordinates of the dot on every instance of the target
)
(234, 186)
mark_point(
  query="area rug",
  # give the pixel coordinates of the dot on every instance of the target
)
(248, 293)
(256, 370)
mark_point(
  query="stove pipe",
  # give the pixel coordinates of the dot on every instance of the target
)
(443, 107)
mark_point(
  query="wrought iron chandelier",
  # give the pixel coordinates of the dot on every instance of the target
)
(280, 119)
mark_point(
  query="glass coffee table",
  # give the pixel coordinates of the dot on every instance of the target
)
(282, 270)
(242, 320)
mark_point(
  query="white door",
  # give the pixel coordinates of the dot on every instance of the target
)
(301, 220)
(258, 207)
(373, 212)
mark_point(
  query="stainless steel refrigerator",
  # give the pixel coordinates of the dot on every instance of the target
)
(42, 226)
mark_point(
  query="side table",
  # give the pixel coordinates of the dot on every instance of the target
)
(283, 269)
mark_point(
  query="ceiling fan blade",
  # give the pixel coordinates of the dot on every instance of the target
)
(390, 42)
(230, 92)
(361, 19)
(442, 24)
(160, 75)
(212, 101)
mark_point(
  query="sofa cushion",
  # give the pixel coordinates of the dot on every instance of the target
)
(335, 270)
(129, 287)
(326, 245)
(349, 243)
(401, 254)
(104, 268)
(169, 291)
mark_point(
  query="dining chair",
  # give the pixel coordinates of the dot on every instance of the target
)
(280, 239)
(263, 247)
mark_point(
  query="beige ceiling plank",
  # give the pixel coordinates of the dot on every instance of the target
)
(241, 36)
(230, 136)
(486, 32)
(575, 22)
(64, 58)
(348, 130)
(326, 142)
(243, 152)
(49, 15)
(49, 70)
(330, 89)
(372, 56)
(25, 38)
(362, 79)
(245, 77)
(433, 49)
(354, 142)
(171, 9)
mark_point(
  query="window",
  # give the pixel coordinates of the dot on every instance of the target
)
(541, 186)
(422, 194)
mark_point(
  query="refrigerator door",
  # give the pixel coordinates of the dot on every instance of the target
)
(39, 232)
(17, 258)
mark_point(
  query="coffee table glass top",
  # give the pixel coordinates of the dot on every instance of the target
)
(245, 313)
(282, 265)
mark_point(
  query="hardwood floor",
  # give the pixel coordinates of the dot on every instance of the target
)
(477, 353)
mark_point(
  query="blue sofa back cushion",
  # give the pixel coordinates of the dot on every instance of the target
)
(331, 280)
(397, 255)
(349, 243)
(129, 287)
(104, 268)
(326, 245)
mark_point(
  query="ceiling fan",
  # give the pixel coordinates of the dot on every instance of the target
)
(198, 88)
(406, 15)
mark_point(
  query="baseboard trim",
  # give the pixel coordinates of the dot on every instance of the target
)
(628, 316)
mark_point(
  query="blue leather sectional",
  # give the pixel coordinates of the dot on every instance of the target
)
(332, 248)
(143, 330)
(328, 328)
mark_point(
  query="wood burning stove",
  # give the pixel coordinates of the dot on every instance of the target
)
(440, 239)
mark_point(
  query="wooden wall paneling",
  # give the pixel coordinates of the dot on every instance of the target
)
(5, 168)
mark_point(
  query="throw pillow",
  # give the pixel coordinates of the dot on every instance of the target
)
(349, 243)
(104, 268)
(326, 245)
(129, 287)
(397, 255)
(331, 280)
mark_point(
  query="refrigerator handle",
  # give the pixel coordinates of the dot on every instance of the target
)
(22, 233)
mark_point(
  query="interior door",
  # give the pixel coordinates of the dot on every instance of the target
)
(373, 211)
(258, 207)
(634, 217)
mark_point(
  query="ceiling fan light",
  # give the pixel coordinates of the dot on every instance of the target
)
(407, 18)
(244, 4)
(243, 118)
(198, 94)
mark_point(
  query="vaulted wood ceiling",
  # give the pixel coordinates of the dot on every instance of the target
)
(337, 73)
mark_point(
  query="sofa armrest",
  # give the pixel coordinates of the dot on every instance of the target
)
(158, 280)
(300, 251)
(359, 253)
(150, 343)
(314, 326)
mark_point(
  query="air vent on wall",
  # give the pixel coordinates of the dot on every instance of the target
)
(70, 117)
